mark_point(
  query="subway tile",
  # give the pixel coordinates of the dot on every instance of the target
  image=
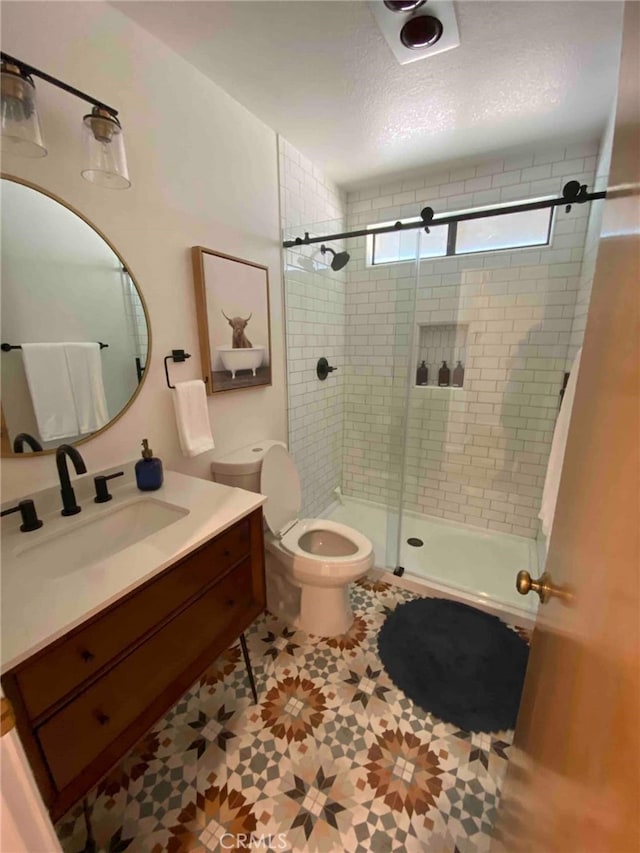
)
(536, 173)
(568, 168)
(490, 168)
(518, 162)
(548, 155)
(476, 184)
(451, 189)
(463, 173)
(505, 179)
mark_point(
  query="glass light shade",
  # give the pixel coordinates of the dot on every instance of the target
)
(20, 127)
(105, 157)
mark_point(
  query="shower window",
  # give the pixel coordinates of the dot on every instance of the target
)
(511, 231)
(401, 246)
(492, 234)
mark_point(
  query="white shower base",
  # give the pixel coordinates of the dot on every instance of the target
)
(470, 563)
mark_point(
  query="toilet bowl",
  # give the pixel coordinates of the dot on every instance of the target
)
(309, 562)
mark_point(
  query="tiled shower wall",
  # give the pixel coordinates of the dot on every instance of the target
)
(315, 327)
(135, 316)
(478, 454)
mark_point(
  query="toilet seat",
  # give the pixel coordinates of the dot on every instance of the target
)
(291, 541)
(280, 482)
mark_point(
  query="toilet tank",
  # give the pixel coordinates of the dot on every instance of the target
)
(241, 468)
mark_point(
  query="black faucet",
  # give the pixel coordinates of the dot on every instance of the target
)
(69, 505)
(24, 438)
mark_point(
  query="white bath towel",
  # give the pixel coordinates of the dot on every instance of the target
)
(558, 447)
(192, 417)
(84, 363)
(48, 379)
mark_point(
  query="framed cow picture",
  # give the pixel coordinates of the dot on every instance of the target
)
(232, 301)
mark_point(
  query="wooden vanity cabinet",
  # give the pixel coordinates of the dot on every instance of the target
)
(84, 700)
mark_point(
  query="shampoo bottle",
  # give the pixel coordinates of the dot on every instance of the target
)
(422, 374)
(458, 375)
(149, 474)
(444, 375)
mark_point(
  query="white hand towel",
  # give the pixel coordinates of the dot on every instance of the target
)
(48, 379)
(84, 363)
(192, 417)
(558, 447)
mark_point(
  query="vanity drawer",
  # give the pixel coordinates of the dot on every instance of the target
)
(65, 664)
(92, 723)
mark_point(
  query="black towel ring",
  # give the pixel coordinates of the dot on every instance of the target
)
(176, 355)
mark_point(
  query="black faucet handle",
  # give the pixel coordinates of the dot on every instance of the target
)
(27, 510)
(102, 491)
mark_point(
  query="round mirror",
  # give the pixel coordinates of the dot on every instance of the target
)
(74, 326)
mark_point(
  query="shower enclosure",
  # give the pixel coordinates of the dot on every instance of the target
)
(443, 471)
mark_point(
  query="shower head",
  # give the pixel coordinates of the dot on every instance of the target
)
(340, 259)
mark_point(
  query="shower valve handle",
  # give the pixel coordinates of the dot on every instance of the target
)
(323, 369)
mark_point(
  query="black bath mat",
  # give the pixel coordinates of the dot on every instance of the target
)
(460, 664)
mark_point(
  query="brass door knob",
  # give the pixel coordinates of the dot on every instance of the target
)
(525, 584)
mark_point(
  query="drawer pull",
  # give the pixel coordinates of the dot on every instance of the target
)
(231, 602)
(102, 718)
(226, 552)
(87, 656)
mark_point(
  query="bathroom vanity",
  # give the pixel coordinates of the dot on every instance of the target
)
(95, 653)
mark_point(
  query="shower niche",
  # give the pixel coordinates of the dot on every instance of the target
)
(440, 343)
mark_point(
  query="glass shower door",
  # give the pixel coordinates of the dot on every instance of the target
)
(406, 276)
(347, 433)
(476, 434)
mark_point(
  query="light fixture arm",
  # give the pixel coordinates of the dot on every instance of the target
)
(35, 72)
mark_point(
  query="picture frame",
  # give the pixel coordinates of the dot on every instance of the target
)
(232, 304)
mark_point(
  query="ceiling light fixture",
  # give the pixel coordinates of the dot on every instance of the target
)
(417, 30)
(404, 5)
(105, 157)
(420, 32)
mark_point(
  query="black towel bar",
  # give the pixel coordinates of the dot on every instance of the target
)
(9, 347)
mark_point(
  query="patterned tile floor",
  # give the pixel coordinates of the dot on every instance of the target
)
(334, 758)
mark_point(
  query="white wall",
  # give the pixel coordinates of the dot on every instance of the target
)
(476, 455)
(315, 308)
(204, 172)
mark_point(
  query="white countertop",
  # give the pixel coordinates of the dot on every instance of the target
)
(40, 605)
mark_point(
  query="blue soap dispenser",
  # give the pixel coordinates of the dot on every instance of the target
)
(149, 474)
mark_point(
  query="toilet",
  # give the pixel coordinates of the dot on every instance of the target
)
(309, 562)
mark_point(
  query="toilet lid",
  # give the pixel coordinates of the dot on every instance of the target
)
(279, 481)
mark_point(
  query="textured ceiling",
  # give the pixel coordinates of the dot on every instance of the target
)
(321, 74)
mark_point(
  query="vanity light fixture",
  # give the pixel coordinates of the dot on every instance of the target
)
(105, 159)
(20, 122)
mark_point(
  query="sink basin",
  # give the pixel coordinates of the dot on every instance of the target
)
(97, 537)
